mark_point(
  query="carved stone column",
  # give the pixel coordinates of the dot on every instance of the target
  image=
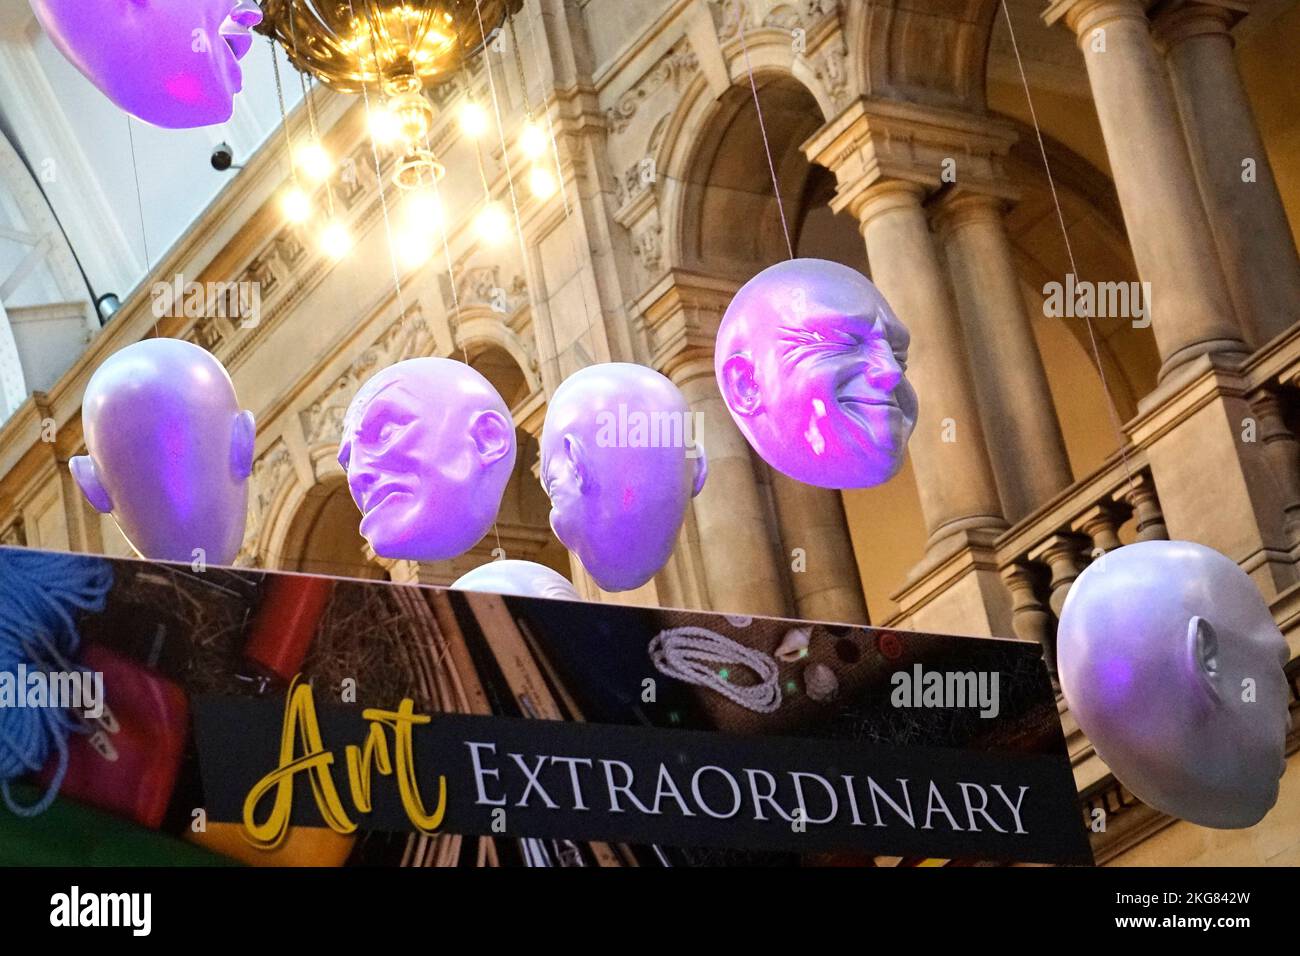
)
(1025, 443)
(734, 524)
(1283, 452)
(826, 586)
(1190, 308)
(1250, 226)
(887, 157)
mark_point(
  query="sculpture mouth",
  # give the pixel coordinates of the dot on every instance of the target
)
(380, 496)
(857, 408)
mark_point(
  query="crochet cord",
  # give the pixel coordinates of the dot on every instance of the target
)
(693, 654)
(39, 595)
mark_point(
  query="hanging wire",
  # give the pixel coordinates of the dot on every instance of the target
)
(762, 128)
(379, 173)
(1069, 251)
(501, 133)
(534, 24)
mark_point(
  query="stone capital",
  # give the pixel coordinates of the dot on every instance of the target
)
(681, 313)
(1180, 20)
(962, 207)
(1084, 16)
(875, 140)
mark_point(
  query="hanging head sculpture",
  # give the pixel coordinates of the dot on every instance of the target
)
(428, 446)
(1172, 665)
(520, 578)
(173, 63)
(170, 451)
(620, 463)
(810, 361)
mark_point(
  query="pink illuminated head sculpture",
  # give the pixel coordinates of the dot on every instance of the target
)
(1172, 665)
(170, 451)
(620, 463)
(428, 446)
(173, 63)
(810, 362)
(520, 578)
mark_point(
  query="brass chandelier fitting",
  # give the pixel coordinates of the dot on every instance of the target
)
(388, 46)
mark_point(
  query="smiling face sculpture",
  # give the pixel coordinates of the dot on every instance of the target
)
(1172, 665)
(173, 63)
(428, 447)
(170, 451)
(810, 362)
(620, 463)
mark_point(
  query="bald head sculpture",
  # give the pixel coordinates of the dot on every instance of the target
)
(1172, 665)
(428, 446)
(169, 451)
(620, 463)
(173, 63)
(810, 361)
(519, 578)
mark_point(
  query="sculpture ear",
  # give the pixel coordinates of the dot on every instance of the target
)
(1203, 655)
(577, 457)
(87, 479)
(701, 469)
(243, 437)
(739, 388)
(492, 435)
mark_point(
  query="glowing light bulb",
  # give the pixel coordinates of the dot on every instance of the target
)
(336, 240)
(295, 205)
(473, 120)
(492, 224)
(423, 211)
(414, 247)
(385, 128)
(532, 140)
(315, 162)
(541, 182)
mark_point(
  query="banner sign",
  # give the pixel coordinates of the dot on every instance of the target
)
(542, 778)
(477, 729)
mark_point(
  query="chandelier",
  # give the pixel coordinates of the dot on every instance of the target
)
(394, 49)
(388, 46)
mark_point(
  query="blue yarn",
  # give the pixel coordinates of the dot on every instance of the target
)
(40, 593)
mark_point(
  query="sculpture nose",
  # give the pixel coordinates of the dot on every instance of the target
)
(246, 13)
(884, 373)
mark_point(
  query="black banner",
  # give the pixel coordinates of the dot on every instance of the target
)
(553, 779)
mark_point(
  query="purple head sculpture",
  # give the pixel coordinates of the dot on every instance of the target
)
(170, 451)
(428, 446)
(1172, 665)
(521, 578)
(810, 361)
(620, 463)
(173, 63)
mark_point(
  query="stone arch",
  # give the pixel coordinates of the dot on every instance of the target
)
(727, 130)
(321, 535)
(480, 329)
(905, 50)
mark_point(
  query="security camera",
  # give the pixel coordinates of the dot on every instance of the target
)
(223, 157)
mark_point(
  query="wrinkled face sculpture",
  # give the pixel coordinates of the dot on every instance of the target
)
(1172, 665)
(810, 362)
(428, 446)
(173, 63)
(521, 578)
(170, 451)
(620, 463)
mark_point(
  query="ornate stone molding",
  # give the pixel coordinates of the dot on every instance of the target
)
(672, 67)
(408, 337)
(271, 471)
(876, 140)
